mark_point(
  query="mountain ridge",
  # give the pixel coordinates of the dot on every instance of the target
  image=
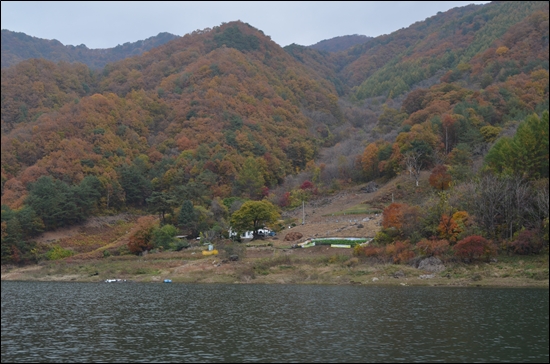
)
(18, 46)
(225, 114)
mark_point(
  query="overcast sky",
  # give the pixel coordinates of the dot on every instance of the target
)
(107, 24)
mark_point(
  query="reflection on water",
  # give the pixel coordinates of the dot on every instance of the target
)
(100, 322)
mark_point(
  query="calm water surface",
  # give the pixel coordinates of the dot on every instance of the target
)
(138, 322)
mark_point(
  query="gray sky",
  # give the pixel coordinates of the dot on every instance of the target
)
(107, 24)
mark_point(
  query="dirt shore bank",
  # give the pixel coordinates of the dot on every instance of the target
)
(268, 265)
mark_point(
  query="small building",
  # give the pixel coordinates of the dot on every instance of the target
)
(249, 235)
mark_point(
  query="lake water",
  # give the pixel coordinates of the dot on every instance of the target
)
(139, 322)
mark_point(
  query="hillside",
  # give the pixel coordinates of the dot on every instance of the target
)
(17, 47)
(342, 43)
(272, 260)
(224, 115)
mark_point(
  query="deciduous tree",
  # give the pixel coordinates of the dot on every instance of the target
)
(254, 215)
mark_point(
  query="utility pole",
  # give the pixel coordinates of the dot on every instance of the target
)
(303, 213)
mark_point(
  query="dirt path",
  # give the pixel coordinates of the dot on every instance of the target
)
(324, 217)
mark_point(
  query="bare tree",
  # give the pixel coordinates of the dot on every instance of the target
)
(485, 195)
(504, 205)
(414, 162)
(541, 204)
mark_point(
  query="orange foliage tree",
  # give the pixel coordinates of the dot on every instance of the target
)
(440, 178)
(141, 239)
(403, 217)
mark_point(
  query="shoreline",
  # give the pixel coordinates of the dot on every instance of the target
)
(506, 285)
(530, 272)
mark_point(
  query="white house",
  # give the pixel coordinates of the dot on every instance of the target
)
(248, 235)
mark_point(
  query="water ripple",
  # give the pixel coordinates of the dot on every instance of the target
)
(83, 322)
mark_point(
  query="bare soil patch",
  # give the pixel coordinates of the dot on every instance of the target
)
(94, 225)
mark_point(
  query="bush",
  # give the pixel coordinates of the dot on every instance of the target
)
(180, 244)
(57, 252)
(527, 242)
(122, 250)
(433, 247)
(400, 252)
(141, 240)
(229, 248)
(164, 237)
(474, 247)
(386, 236)
(368, 251)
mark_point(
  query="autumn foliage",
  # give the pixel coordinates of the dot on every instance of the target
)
(440, 178)
(141, 239)
(433, 247)
(527, 242)
(475, 247)
(225, 113)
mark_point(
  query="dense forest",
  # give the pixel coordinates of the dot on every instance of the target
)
(195, 128)
(17, 47)
(341, 43)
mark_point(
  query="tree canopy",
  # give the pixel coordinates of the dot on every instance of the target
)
(254, 215)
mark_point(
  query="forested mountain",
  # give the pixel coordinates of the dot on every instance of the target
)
(225, 115)
(17, 47)
(341, 43)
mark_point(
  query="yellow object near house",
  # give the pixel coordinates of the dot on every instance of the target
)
(210, 252)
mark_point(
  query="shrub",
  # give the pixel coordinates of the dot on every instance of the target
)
(527, 242)
(140, 241)
(180, 244)
(228, 248)
(404, 257)
(368, 251)
(386, 236)
(433, 247)
(351, 262)
(474, 247)
(164, 237)
(400, 252)
(57, 252)
(122, 250)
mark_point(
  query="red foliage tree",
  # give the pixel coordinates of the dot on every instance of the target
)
(285, 200)
(474, 247)
(528, 242)
(307, 185)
